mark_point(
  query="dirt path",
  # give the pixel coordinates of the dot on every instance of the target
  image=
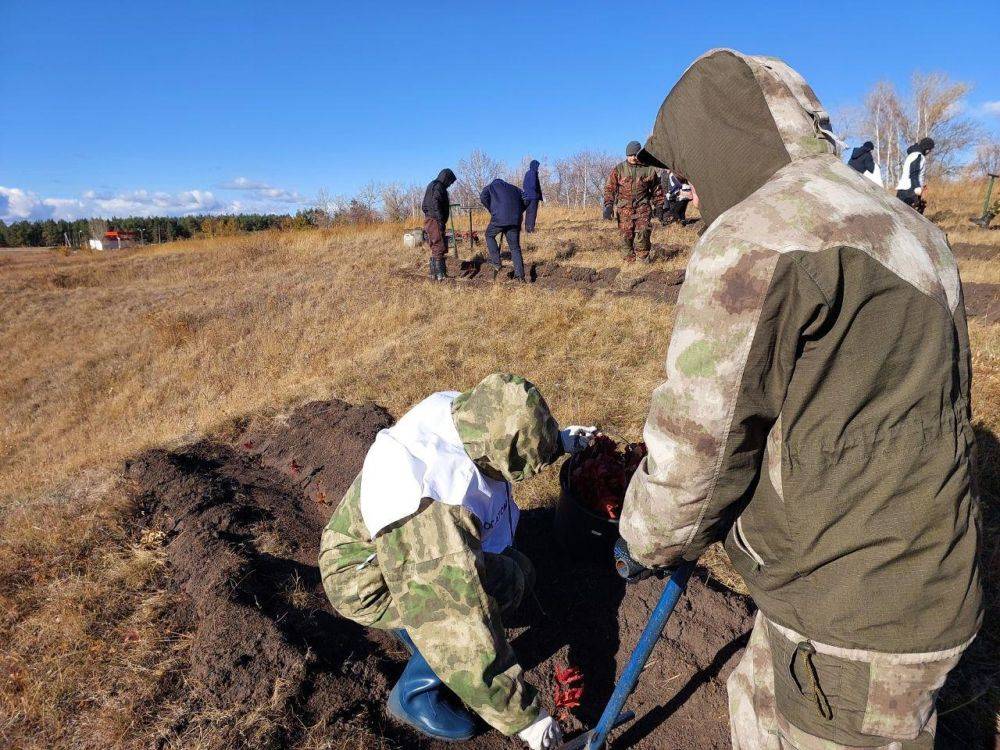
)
(242, 525)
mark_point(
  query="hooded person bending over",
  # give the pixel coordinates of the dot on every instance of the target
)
(437, 208)
(815, 415)
(422, 544)
(863, 160)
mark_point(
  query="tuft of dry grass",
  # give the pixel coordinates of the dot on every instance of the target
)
(106, 355)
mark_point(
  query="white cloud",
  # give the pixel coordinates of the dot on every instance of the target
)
(991, 108)
(17, 204)
(262, 190)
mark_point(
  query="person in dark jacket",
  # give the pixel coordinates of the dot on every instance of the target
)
(861, 158)
(678, 194)
(436, 207)
(533, 196)
(506, 205)
(912, 185)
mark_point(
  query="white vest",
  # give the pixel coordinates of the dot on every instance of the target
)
(423, 456)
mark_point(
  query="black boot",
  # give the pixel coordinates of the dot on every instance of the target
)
(438, 270)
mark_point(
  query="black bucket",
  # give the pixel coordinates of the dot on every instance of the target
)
(582, 533)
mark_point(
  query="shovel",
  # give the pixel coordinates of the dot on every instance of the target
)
(613, 716)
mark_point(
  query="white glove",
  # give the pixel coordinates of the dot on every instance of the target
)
(575, 438)
(544, 734)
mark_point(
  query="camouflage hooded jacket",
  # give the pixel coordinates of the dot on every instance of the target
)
(632, 185)
(424, 573)
(816, 409)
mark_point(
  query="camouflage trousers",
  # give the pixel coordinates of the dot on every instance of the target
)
(791, 693)
(635, 225)
(427, 575)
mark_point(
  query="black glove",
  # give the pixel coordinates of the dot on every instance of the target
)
(609, 213)
(627, 567)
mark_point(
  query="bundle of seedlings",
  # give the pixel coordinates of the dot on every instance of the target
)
(601, 473)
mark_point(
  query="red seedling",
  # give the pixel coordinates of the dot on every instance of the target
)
(320, 497)
(294, 466)
(248, 444)
(569, 690)
(602, 472)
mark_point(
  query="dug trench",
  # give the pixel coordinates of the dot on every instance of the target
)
(982, 300)
(268, 664)
(240, 522)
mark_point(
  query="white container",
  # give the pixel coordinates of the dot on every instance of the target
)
(413, 238)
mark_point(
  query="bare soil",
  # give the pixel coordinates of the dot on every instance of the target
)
(241, 520)
(241, 523)
(982, 300)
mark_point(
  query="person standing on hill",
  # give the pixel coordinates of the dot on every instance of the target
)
(422, 545)
(437, 208)
(863, 160)
(678, 196)
(632, 189)
(816, 416)
(506, 205)
(912, 185)
(533, 196)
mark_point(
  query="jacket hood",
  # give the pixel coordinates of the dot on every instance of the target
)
(534, 165)
(506, 427)
(446, 177)
(731, 122)
(923, 146)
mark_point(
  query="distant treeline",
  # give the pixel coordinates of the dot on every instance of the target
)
(150, 229)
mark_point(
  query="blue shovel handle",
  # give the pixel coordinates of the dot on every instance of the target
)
(650, 635)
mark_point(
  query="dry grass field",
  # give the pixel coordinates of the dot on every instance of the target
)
(106, 355)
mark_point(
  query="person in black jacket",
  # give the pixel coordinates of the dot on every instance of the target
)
(506, 204)
(912, 185)
(533, 196)
(436, 207)
(677, 195)
(861, 158)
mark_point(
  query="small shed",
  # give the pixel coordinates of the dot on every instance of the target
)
(114, 240)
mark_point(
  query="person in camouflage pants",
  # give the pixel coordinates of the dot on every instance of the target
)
(427, 552)
(632, 189)
(816, 417)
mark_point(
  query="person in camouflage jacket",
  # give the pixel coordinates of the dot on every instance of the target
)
(816, 416)
(421, 544)
(631, 191)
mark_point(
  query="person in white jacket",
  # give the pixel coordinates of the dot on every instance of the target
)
(912, 185)
(422, 545)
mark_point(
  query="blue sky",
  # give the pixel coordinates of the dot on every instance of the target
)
(174, 107)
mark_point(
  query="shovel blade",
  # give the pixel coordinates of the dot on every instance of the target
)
(580, 742)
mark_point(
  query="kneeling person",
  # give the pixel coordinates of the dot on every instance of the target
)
(421, 544)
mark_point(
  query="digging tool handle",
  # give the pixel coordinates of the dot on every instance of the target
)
(626, 684)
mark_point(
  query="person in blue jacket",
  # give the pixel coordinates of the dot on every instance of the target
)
(506, 205)
(533, 196)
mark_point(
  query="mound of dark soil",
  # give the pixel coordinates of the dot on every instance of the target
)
(242, 525)
(982, 301)
(660, 285)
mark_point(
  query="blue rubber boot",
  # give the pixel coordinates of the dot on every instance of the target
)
(418, 699)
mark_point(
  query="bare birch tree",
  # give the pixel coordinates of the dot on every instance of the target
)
(474, 173)
(987, 160)
(934, 108)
